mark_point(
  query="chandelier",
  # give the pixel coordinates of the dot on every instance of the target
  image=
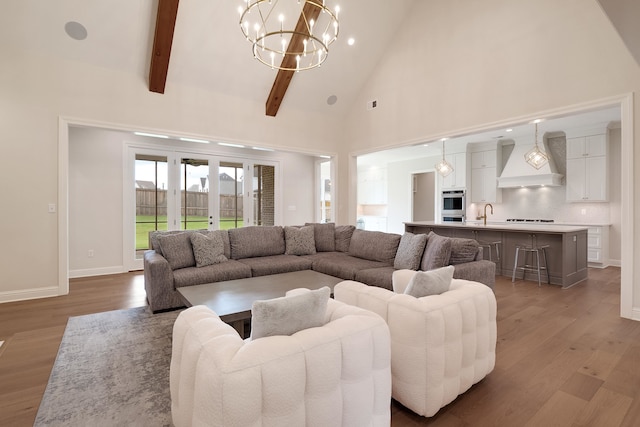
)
(290, 35)
(536, 157)
(443, 167)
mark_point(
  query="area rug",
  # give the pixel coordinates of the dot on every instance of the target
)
(112, 369)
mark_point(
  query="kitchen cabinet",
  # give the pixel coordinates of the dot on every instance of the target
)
(598, 246)
(372, 187)
(458, 178)
(587, 175)
(484, 177)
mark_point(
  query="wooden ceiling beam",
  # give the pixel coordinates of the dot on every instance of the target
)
(162, 41)
(283, 78)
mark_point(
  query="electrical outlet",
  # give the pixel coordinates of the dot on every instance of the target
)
(583, 211)
(90, 253)
(52, 208)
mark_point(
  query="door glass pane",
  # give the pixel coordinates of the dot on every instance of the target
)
(151, 176)
(194, 194)
(325, 192)
(263, 195)
(231, 179)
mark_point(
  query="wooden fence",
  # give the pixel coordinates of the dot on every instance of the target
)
(197, 203)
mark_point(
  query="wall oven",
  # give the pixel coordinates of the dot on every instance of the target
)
(454, 206)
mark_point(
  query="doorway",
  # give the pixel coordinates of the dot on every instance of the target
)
(423, 196)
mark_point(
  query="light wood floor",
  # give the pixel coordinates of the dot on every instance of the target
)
(564, 357)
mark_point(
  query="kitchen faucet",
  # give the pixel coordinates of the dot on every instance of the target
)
(484, 217)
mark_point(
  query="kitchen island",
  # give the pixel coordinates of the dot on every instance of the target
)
(566, 252)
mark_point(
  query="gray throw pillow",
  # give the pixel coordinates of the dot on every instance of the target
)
(176, 248)
(290, 314)
(299, 240)
(324, 234)
(208, 249)
(463, 250)
(410, 251)
(434, 282)
(437, 253)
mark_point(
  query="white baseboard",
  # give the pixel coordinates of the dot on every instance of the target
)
(9, 296)
(615, 263)
(73, 274)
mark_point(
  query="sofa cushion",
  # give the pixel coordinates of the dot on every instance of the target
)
(207, 249)
(374, 245)
(229, 270)
(463, 250)
(299, 240)
(154, 243)
(256, 241)
(275, 264)
(325, 236)
(410, 251)
(380, 277)
(434, 282)
(343, 237)
(341, 265)
(290, 314)
(176, 248)
(437, 252)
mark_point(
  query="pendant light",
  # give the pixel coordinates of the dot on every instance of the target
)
(536, 157)
(443, 167)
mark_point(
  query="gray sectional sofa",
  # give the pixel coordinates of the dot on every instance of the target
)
(186, 258)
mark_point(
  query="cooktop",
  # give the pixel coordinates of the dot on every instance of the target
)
(528, 220)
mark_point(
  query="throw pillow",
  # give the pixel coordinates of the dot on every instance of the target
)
(343, 237)
(437, 253)
(410, 251)
(324, 234)
(299, 240)
(463, 250)
(176, 248)
(290, 314)
(434, 282)
(209, 249)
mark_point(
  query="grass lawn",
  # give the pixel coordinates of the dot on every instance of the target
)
(146, 223)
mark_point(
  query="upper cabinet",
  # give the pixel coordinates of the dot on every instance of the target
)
(372, 186)
(484, 174)
(458, 178)
(587, 175)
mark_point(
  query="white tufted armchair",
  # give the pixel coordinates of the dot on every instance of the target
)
(334, 375)
(440, 345)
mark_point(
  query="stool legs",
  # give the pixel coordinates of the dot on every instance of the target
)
(530, 267)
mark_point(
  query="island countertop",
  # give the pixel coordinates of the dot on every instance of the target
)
(526, 227)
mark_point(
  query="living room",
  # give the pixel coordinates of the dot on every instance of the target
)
(442, 69)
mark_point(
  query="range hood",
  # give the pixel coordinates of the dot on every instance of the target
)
(518, 173)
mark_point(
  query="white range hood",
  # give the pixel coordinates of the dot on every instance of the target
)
(518, 173)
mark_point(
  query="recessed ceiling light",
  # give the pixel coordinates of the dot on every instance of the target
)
(263, 149)
(75, 30)
(325, 157)
(153, 135)
(227, 144)
(201, 141)
(351, 41)
(509, 130)
(537, 121)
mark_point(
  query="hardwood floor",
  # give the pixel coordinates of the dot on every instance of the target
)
(564, 357)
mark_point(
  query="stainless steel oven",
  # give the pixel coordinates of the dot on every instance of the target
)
(454, 205)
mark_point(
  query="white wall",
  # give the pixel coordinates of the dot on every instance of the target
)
(96, 193)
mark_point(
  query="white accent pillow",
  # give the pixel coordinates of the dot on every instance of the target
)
(290, 314)
(432, 282)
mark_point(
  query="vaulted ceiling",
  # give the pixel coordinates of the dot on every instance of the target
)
(208, 49)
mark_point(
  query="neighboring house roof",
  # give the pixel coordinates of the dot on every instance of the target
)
(147, 185)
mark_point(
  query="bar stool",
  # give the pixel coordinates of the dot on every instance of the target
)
(490, 247)
(533, 251)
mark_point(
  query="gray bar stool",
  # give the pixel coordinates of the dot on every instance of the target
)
(534, 251)
(491, 246)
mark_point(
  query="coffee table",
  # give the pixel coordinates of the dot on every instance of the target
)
(232, 299)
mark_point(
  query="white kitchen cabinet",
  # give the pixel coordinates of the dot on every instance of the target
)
(598, 246)
(458, 178)
(484, 177)
(587, 175)
(372, 187)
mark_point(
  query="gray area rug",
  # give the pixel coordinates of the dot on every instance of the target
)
(112, 369)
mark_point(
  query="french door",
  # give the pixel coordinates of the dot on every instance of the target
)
(187, 191)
